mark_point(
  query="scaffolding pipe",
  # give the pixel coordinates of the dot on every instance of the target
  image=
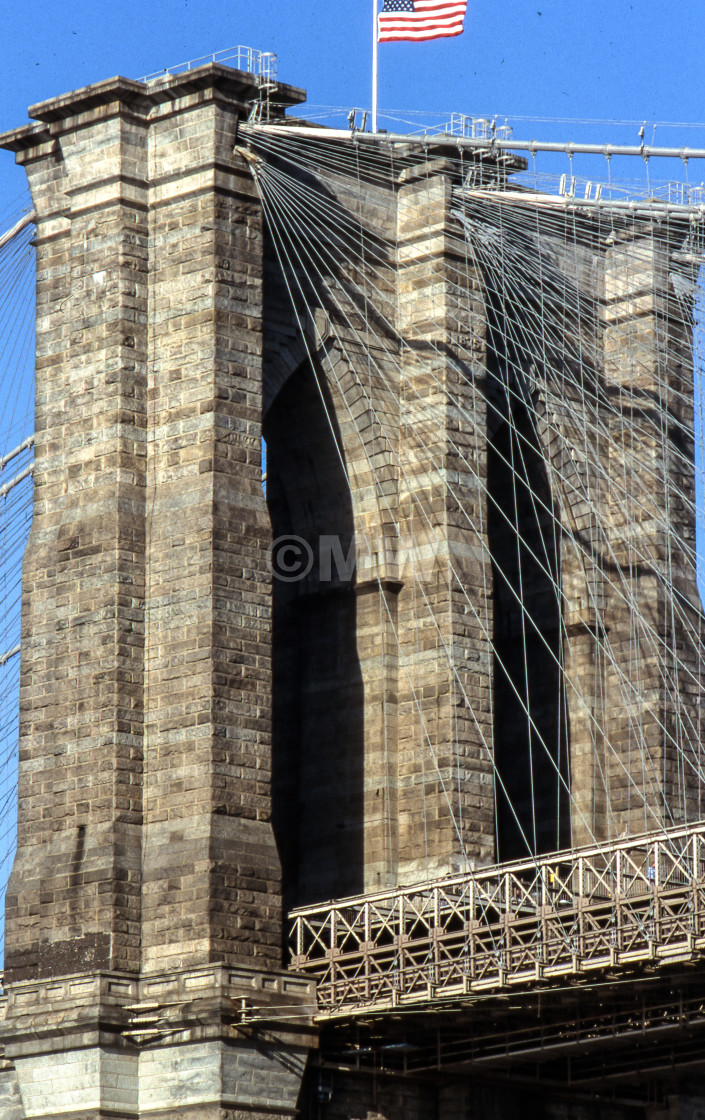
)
(492, 145)
(637, 208)
(25, 220)
(24, 446)
(5, 490)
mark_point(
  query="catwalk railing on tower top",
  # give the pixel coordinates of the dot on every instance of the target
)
(634, 900)
(263, 64)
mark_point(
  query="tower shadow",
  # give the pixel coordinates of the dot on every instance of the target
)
(317, 693)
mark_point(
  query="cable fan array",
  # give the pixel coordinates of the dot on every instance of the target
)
(541, 354)
(559, 417)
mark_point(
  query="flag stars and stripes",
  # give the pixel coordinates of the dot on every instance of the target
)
(415, 20)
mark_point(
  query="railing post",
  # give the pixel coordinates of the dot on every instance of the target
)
(618, 870)
(695, 889)
(332, 956)
(470, 931)
(506, 902)
(655, 883)
(580, 906)
(657, 865)
(401, 950)
(543, 919)
(368, 984)
(618, 903)
(436, 930)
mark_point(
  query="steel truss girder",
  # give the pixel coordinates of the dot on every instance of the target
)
(576, 913)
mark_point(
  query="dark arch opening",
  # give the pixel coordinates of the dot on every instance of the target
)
(317, 694)
(530, 713)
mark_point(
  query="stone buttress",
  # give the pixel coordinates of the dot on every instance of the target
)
(144, 915)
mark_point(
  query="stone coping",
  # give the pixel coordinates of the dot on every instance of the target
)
(142, 98)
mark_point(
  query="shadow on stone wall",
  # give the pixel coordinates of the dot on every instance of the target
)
(318, 709)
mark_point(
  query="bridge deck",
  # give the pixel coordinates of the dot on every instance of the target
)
(639, 899)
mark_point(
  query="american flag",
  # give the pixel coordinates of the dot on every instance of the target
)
(420, 19)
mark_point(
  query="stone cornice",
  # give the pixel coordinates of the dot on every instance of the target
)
(118, 94)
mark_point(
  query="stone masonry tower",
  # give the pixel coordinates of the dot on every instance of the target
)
(147, 880)
(199, 748)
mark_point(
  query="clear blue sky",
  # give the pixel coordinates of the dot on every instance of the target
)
(626, 59)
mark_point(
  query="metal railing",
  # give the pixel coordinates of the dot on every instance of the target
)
(479, 128)
(263, 64)
(632, 900)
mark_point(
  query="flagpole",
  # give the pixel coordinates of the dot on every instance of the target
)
(374, 65)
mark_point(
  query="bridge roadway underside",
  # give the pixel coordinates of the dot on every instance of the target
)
(631, 1037)
(581, 971)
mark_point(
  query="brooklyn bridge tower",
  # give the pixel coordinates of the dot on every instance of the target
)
(399, 749)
